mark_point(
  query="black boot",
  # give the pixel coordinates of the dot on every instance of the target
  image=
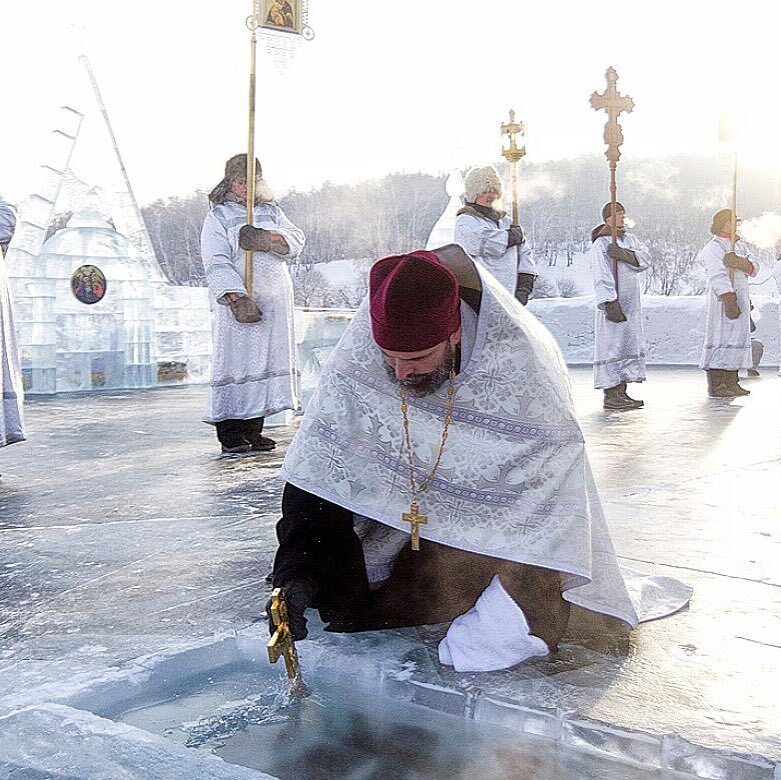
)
(636, 401)
(615, 400)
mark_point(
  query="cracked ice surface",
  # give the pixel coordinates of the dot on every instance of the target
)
(124, 535)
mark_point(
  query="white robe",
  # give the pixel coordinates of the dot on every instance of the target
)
(11, 422)
(254, 366)
(777, 275)
(486, 242)
(727, 343)
(619, 347)
(514, 481)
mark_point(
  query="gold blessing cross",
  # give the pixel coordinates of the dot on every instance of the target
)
(415, 520)
(281, 644)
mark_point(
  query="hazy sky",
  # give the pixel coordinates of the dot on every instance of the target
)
(386, 86)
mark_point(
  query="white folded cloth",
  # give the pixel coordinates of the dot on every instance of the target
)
(493, 635)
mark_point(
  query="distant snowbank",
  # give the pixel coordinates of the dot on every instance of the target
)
(673, 326)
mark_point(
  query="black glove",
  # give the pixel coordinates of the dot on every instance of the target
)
(253, 239)
(732, 260)
(515, 236)
(245, 310)
(614, 312)
(299, 594)
(616, 252)
(731, 308)
(523, 287)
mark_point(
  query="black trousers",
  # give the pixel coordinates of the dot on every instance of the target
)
(236, 433)
(433, 585)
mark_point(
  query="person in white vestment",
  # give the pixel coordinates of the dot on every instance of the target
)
(11, 421)
(619, 344)
(777, 277)
(727, 343)
(254, 361)
(440, 476)
(486, 233)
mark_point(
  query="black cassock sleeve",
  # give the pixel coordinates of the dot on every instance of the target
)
(317, 543)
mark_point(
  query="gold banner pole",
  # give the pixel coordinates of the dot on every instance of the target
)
(253, 22)
(734, 221)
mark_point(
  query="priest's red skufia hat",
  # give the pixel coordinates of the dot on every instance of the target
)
(413, 302)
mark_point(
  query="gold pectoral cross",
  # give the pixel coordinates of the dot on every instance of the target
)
(415, 520)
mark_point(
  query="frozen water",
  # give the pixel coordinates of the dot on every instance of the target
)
(135, 538)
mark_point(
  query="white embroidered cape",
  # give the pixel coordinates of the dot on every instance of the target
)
(514, 481)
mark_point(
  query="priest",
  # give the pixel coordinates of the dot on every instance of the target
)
(254, 365)
(726, 347)
(619, 344)
(439, 475)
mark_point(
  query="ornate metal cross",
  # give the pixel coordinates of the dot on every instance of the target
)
(615, 104)
(513, 153)
(512, 128)
(415, 520)
(281, 644)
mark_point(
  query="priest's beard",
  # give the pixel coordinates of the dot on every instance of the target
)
(426, 384)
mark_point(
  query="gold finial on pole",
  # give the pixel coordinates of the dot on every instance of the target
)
(281, 643)
(513, 154)
(253, 23)
(614, 104)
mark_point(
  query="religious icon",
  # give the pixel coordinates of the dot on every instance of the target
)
(281, 15)
(88, 284)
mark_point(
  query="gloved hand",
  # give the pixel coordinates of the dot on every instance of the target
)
(299, 594)
(732, 260)
(616, 252)
(245, 310)
(614, 312)
(523, 287)
(515, 236)
(253, 239)
(731, 308)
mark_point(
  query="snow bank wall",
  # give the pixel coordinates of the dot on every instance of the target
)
(673, 326)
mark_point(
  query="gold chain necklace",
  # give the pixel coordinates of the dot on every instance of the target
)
(413, 517)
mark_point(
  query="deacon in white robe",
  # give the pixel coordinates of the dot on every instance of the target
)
(727, 344)
(619, 344)
(488, 235)
(11, 422)
(446, 408)
(254, 361)
(777, 276)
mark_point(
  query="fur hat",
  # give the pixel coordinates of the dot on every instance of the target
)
(722, 221)
(480, 180)
(236, 168)
(606, 210)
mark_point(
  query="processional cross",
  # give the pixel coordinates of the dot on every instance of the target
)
(612, 101)
(513, 155)
(415, 520)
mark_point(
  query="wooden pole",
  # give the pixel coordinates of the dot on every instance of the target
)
(248, 255)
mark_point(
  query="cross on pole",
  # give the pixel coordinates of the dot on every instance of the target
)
(614, 103)
(513, 153)
(415, 520)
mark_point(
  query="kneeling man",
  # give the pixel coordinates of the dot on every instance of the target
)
(439, 475)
